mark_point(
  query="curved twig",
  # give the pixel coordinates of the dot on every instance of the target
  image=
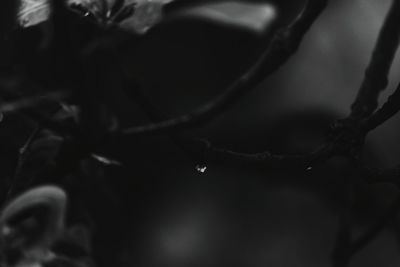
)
(376, 74)
(388, 110)
(284, 43)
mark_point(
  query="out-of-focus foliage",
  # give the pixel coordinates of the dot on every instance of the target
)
(33, 232)
(139, 16)
(33, 12)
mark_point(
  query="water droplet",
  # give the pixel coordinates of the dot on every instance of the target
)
(201, 168)
(105, 160)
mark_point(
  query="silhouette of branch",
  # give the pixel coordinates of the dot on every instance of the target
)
(263, 159)
(283, 44)
(346, 139)
(388, 110)
(376, 74)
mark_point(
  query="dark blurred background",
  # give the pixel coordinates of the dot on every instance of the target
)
(158, 210)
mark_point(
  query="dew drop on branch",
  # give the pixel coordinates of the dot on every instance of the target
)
(201, 168)
(105, 160)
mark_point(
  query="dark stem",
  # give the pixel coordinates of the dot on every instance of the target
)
(284, 43)
(376, 74)
(388, 110)
(265, 160)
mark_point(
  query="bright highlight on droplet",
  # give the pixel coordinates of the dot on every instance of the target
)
(105, 160)
(201, 168)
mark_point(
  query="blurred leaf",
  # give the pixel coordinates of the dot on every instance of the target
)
(33, 233)
(139, 16)
(33, 12)
(249, 16)
(135, 15)
(146, 15)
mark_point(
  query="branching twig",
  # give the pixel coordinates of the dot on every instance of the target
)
(345, 139)
(376, 74)
(388, 110)
(279, 50)
(284, 43)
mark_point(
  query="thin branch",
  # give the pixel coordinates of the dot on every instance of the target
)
(197, 148)
(210, 153)
(284, 43)
(151, 110)
(376, 74)
(388, 110)
(263, 159)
